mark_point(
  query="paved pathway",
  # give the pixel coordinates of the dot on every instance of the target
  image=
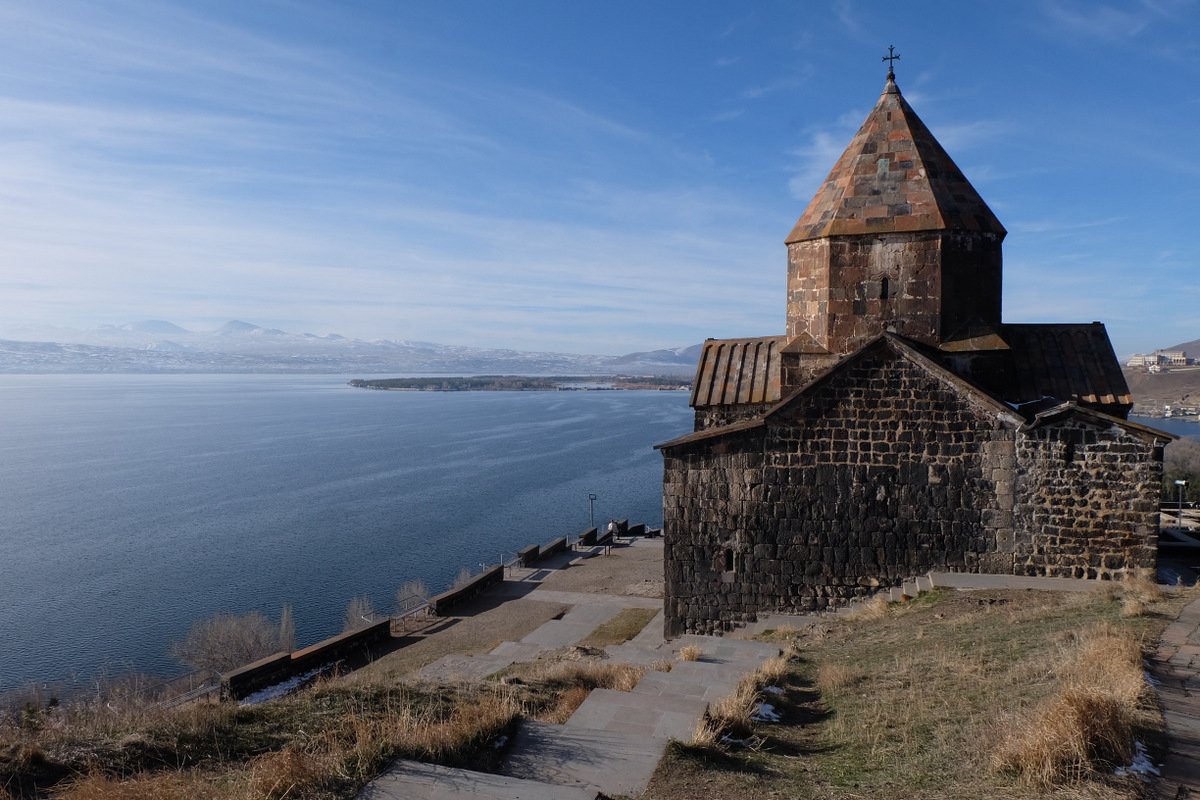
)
(614, 740)
(1176, 669)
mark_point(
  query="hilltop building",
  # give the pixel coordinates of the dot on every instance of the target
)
(1161, 358)
(899, 425)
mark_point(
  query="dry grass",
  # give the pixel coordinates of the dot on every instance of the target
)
(731, 714)
(1088, 724)
(288, 773)
(568, 684)
(833, 677)
(321, 745)
(165, 786)
(906, 705)
(874, 608)
(627, 624)
(690, 652)
(706, 736)
(660, 665)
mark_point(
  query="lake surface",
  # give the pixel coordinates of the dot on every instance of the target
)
(131, 506)
(1179, 427)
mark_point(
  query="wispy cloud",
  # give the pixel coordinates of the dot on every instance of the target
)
(1107, 23)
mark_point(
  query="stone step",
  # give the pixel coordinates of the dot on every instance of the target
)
(616, 764)
(629, 713)
(975, 580)
(463, 669)
(406, 780)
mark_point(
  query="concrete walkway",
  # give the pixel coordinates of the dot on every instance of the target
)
(1176, 669)
(613, 742)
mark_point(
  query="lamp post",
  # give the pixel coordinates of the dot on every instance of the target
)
(1179, 521)
(591, 510)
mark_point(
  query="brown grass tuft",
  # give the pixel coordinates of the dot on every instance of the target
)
(661, 665)
(595, 674)
(874, 608)
(690, 652)
(1133, 606)
(1089, 724)
(165, 786)
(707, 735)
(772, 670)
(288, 774)
(833, 677)
(1141, 585)
(732, 713)
(568, 701)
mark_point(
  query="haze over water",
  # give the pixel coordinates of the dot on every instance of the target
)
(132, 505)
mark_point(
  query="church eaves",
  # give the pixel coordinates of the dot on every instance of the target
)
(894, 177)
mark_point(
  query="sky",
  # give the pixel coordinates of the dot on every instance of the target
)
(590, 177)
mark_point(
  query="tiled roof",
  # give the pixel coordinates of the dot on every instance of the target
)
(738, 371)
(893, 177)
(1064, 361)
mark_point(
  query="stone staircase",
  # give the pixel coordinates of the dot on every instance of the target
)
(612, 743)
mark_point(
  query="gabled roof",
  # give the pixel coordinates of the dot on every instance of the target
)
(1072, 409)
(738, 371)
(890, 340)
(912, 352)
(1066, 361)
(893, 177)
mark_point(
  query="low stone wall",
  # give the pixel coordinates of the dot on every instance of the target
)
(559, 545)
(256, 675)
(273, 669)
(529, 555)
(588, 537)
(440, 604)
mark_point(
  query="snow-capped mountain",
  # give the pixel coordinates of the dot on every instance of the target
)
(237, 346)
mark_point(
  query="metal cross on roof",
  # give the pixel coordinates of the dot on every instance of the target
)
(891, 57)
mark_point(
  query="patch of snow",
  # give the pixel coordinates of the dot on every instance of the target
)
(280, 689)
(1141, 766)
(772, 690)
(1150, 679)
(765, 712)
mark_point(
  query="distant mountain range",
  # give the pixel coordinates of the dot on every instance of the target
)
(158, 346)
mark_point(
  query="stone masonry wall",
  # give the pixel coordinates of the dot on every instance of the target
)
(1088, 501)
(845, 290)
(881, 472)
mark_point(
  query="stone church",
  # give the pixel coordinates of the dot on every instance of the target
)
(900, 425)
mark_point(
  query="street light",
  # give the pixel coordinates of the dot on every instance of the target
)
(592, 510)
(1180, 484)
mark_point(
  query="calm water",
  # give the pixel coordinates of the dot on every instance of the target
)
(132, 505)
(1179, 427)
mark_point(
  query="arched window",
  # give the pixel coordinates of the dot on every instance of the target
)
(729, 559)
(884, 288)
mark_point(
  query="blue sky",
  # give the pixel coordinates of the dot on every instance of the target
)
(581, 177)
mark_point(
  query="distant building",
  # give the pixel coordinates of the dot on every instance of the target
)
(1160, 358)
(900, 425)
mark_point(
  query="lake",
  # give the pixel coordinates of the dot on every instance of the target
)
(132, 505)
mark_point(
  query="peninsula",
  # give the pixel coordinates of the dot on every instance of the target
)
(524, 383)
